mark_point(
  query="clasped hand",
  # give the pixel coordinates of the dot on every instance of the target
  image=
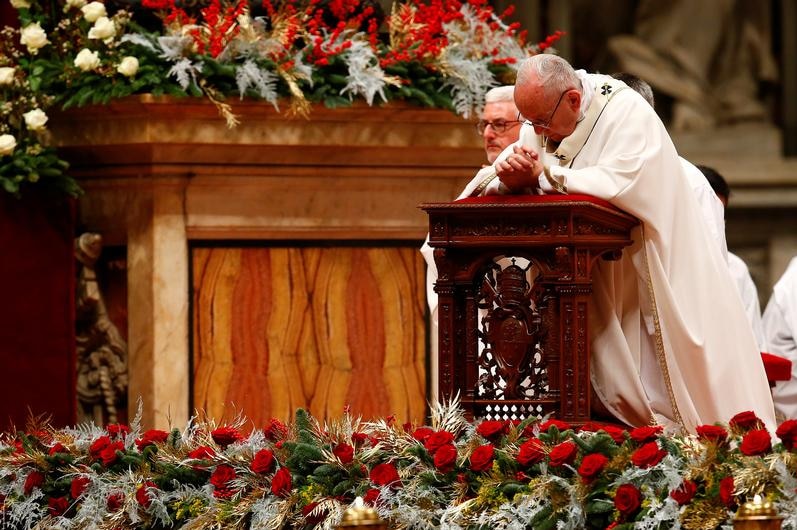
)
(520, 170)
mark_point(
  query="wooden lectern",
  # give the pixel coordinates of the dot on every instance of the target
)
(514, 281)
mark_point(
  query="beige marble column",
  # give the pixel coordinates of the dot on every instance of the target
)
(157, 261)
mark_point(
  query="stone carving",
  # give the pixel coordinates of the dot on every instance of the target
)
(101, 350)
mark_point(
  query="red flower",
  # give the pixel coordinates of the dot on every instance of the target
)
(117, 429)
(281, 483)
(384, 475)
(591, 466)
(562, 426)
(726, 491)
(422, 433)
(684, 493)
(35, 479)
(627, 499)
(745, 421)
(98, 445)
(714, 433)
(482, 458)
(564, 453)
(445, 458)
(57, 506)
(108, 454)
(617, 434)
(646, 434)
(344, 452)
(438, 439)
(756, 442)
(220, 478)
(275, 430)
(151, 437)
(648, 455)
(203, 452)
(225, 436)
(312, 519)
(263, 462)
(78, 486)
(371, 496)
(787, 432)
(143, 496)
(531, 452)
(58, 448)
(358, 437)
(114, 501)
(491, 429)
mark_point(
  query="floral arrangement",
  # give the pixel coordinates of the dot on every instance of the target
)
(437, 53)
(451, 474)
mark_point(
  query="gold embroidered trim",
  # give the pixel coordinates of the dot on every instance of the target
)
(483, 184)
(661, 355)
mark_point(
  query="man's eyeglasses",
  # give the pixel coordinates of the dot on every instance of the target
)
(498, 126)
(547, 123)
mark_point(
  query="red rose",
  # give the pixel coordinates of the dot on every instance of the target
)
(275, 430)
(745, 421)
(564, 453)
(492, 429)
(646, 434)
(438, 439)
(482, 458)
(108, 454)
(281, 483)
(627, 499)
(617, 434)
(756, 442)
(221, 476)
(787, 432)
(648, 455)
(263, 462)
(344, 452)
(114, 501)
(118, 429)
(714, 433)
(358, 437)
(143, 495)
(97, 446)
(562, 426)
(531, 452)
(58, 448)
(57, 506)
(726, 491)
(422, 433)
(685, 492)
(78, 486)
(384, 475)
(203, 452)
(591, 466)
(313, 519)
(35, 479)
(445, 458)
(225, 436)
(151, 437)
(371, 496)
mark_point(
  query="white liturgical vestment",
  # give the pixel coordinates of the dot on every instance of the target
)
(780, 329)
(671, 343)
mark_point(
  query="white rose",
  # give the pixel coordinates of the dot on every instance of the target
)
(128, 67)
(74, 4)
(87, 60)
(93, 11)
(6, 75)
(35, 119)
(33, 36)
(104, 28)
(7, 144)
(20, 4)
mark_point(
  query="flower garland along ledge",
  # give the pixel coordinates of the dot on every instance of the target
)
(451, 474)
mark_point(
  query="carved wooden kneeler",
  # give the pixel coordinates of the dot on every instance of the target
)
(514, 281)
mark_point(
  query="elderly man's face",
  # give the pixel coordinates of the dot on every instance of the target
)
(554, 115)
(502, 130)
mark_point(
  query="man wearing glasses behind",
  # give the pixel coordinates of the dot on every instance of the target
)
(671, 344)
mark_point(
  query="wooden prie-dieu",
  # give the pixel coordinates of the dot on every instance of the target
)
(514, 282)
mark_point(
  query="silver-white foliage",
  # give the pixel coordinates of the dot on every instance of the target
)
(265, 514)
(514, 515)
(24, 513)
(250, 75)
(366, 77)
(661, 515)
(185, 72)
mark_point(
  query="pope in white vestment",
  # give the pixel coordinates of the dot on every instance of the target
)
(670, 340)
(780, 329)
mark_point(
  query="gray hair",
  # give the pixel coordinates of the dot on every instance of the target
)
(638, 85)
(500, 94)
(554, 73)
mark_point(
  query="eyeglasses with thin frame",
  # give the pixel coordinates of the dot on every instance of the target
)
(547, 123)
(498, 126)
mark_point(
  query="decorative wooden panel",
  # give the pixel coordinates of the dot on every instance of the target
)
(275, 329)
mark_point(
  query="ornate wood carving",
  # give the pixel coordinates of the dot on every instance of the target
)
(514, 285)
